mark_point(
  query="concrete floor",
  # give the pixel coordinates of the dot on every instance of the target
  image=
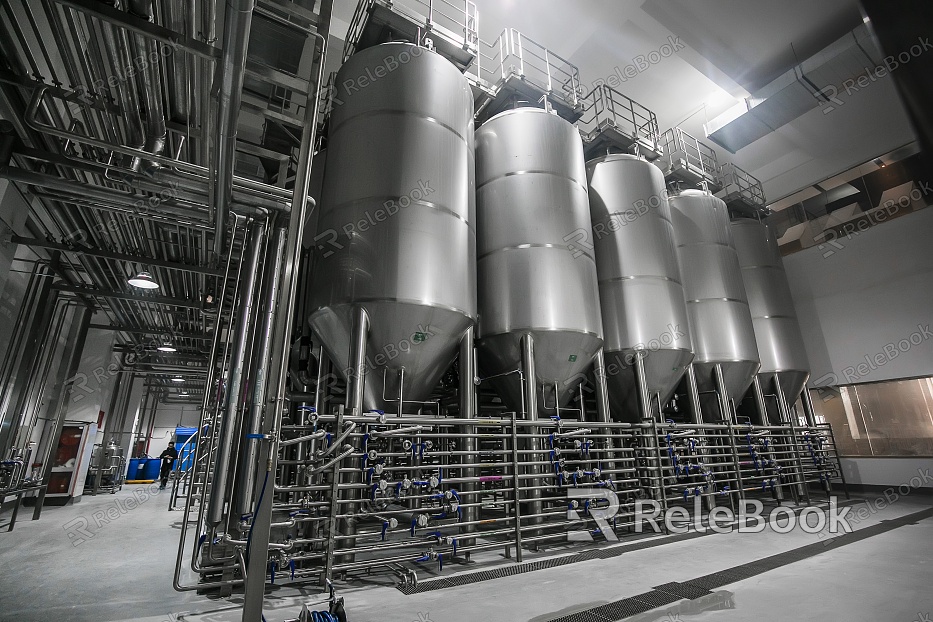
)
(123, 572)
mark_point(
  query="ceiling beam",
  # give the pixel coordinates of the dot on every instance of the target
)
(100, 293)
(96, 252)
(152, 331)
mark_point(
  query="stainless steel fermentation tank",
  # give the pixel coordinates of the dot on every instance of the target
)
(784, 365)
(726, 355)
(394, 275)
(643, 308)
(538, 297)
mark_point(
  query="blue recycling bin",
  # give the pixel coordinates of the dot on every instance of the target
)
(134, 468)
(151, 468)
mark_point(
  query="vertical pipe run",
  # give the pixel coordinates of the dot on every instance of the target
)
(726, 405)
(693, 395)
(760, 402)
(80, 325)
(644, 395)
(246, 472)
(238, 19)
(808, 411)
(401, 391)
(357, 372)
(788, 420)
(468, 411)
(602, 405)
(285, 309)
(228, 422)
(531, 415)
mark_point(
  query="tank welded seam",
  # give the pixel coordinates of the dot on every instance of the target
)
(764, 265)
(527, 246)
(414, 301)
(533, 172)
(641, 276)
(647, 351)
(729, 246)
(543, 329)
(697, 300)
(719, 360)
(388, 198)
(394, 111)
(622, 214)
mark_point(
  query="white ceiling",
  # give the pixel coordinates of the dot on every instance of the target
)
(732, 46)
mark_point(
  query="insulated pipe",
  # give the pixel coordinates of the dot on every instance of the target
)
(530, 386)
(149, 81)
(116, 42)
(177, 67)
(247, 471)
(468, 411)
(238, 18)
(234, 382)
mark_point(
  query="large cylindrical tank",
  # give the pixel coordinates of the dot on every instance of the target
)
(777, 332)
(531, 205)
(717, 305)
(395, 234)
(640, 288)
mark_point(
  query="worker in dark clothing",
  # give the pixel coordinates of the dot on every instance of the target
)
(168, 458)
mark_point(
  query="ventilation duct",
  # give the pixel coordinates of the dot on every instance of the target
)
(819, 79)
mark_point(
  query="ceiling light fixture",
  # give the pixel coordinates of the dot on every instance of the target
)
(166, 347)
(143, 280)
(178, 379)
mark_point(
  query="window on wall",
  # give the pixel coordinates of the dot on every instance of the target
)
(892, 418)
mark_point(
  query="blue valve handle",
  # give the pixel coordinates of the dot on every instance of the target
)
(372, 492)
(272, 569)
(385, 528)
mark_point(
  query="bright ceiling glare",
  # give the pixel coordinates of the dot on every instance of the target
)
(178, 379)
(166, 347)
(143, 280)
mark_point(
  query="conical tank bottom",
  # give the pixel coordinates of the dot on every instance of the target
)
(421, 339)
(792, 383)
(561, 361)
(737, 376)
(663, 371)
